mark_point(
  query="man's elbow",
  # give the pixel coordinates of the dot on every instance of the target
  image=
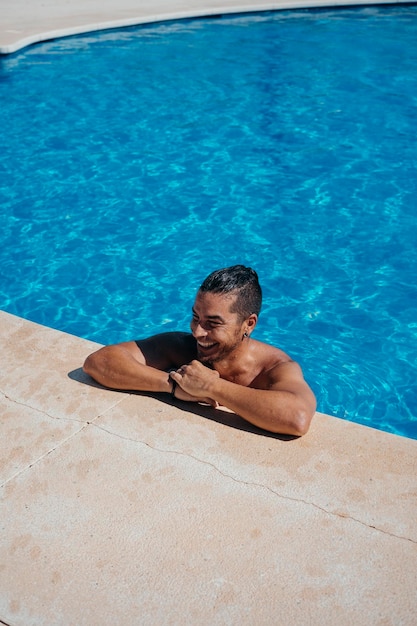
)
(87, 367)
(92, 367)
(300, 422)
(297, 424)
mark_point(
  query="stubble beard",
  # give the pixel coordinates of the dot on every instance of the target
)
(210, 361)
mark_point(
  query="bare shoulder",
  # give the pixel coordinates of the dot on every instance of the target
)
(166, 350)
(277, 367)
(269, 356)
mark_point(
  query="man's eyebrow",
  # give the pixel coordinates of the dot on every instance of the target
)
(210, 317)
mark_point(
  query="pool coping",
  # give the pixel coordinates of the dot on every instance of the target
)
(47, 21)
(128, 508)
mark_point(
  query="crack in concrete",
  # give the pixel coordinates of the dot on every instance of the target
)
(40, 458)
(85, 424)
(41, 411)
(58, 417)
(262, 486)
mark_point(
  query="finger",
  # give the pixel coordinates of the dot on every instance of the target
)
(175, 376)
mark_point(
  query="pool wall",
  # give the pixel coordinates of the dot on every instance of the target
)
(123, 508)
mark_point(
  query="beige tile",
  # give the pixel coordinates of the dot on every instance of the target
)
(27, 436)
(43, 371)
(110, 531)
(125, 509)
(343, 468)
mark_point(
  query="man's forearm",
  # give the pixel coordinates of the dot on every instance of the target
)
(276, 411)
(115, 367)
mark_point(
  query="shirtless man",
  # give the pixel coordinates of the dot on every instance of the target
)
(218, 363)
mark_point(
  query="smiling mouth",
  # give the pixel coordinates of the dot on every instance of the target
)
(205, 346)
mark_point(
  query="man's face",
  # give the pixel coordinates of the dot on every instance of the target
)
(217, 330)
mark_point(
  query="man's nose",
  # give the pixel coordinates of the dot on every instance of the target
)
(199, 331)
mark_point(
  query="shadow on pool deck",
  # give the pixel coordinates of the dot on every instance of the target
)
(127, 508)
(221, 415)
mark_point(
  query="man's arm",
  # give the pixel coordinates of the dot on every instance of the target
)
(286, 406)
(142, 365)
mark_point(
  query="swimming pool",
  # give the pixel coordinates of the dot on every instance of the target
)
(134, 162)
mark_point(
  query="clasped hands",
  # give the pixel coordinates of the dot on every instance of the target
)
(194, 382)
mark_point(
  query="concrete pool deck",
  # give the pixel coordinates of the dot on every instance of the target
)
(123, 508)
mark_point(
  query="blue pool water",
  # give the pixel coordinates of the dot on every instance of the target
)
(134, 162)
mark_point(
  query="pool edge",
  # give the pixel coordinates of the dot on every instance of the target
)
(11, 40)
(345, 493)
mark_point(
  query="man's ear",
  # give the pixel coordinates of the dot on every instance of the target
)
(251, 322)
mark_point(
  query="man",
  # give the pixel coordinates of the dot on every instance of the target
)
(218, 363)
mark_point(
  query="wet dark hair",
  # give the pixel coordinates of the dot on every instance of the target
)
(240, 281)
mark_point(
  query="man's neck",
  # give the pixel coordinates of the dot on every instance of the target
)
(238, 364)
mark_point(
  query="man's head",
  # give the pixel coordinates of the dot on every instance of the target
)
(225, 312)
(239, 281)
